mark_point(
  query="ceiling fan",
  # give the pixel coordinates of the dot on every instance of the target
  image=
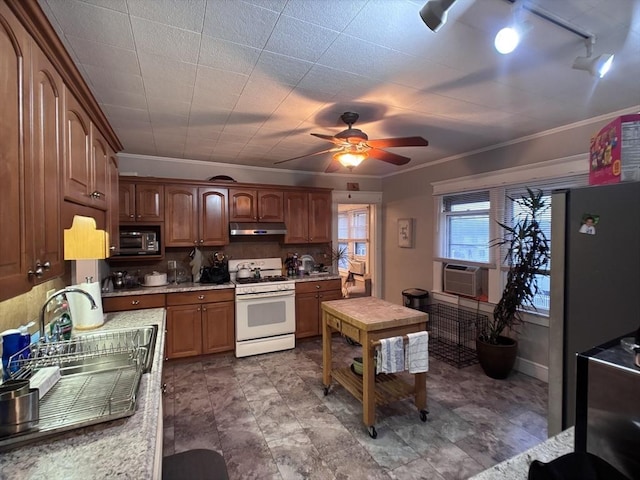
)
(352, 146)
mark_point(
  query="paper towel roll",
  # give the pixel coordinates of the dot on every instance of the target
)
(82, 316)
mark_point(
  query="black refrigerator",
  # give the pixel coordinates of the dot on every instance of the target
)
(595, 282)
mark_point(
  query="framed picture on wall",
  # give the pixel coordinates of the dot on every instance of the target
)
(405, 232)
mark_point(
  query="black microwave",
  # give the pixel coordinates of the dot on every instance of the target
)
(139, 242)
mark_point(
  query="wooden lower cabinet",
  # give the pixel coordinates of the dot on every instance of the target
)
(200, 322)
(309, 296)
(133, 302)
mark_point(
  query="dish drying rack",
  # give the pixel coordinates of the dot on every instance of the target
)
(100, 376)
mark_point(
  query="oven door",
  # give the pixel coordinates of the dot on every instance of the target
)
(265, 315)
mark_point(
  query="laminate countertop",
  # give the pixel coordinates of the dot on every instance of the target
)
(517, 468)
(123, 448)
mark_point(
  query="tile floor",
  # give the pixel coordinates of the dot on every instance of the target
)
(270, 419)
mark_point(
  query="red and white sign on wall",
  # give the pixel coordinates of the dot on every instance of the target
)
(614, 154)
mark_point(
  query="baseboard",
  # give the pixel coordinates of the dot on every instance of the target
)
(533, 369)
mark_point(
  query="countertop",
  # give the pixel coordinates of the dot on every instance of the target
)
(194, 287)
(123, 448)
(517, 468)
(371, 313)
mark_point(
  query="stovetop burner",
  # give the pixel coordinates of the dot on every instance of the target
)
(274, 278)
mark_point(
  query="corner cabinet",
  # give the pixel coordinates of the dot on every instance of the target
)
(309, 297)
(200, 322)
(307, 216)
(195, 216)
(247, 205)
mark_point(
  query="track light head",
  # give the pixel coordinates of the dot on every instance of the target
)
(434, 13)
(598, 66)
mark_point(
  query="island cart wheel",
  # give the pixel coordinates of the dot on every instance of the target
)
(372, 432)
(423, 415)
(326, 391)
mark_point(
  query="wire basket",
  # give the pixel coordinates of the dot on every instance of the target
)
(453, 332)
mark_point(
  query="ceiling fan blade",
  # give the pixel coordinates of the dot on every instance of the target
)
(334, 149)
(332, 139)
(388, 157)
(334, 166)
(398, 142)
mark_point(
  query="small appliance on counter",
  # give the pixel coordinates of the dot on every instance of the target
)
(218, 272)
(607, 407)
(139, 242)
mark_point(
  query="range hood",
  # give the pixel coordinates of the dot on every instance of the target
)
(256, 228)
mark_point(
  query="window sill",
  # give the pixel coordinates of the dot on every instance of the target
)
(464, 262)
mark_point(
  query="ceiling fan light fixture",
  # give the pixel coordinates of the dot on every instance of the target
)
(350, 159)
(434, 13)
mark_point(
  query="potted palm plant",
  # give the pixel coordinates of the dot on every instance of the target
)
(527, 253)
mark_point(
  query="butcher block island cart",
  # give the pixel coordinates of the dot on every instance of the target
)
(366, 320)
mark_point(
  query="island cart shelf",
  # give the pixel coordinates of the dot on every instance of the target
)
(366, 320)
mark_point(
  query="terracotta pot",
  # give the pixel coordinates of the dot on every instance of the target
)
(497, 360)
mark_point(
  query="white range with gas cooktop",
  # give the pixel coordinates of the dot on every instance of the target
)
(265, 306)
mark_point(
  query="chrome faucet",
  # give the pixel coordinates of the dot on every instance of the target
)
(64, 291)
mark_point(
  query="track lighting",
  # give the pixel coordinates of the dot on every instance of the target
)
(598, 66)
(507, 40)
(434, 13)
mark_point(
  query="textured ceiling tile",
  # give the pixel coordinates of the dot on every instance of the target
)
(239, 22)
(167, 105)
(125, 113)
(185, 14)
(156, 87)
(124, 99)
(93, 23)
(165, 41)
(219, 81)
(333, 15)
(168, 69)
(204, 132)
(275, 5)
(283, 69)
(111, 79)
(225, 55)
(105, 56)
(117, 5)
(299, 39)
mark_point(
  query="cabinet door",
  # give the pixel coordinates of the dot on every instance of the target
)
(113, 215)
(214, 226)
(181, 216)
(296, 217)
(319, 217)
(13, 264)
(77, 175)
(218, 327)
(43, 169)
(307, 315)
(149, 202)
(243, 205)
(127, 201)
(99, 170)
(270, 206)
(184, 331)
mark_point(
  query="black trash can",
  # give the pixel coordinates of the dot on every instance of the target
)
(415, 298)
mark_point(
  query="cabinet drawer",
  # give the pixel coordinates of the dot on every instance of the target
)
(319, 286)
(202, 296)
(333, 322)
(351, 332)
(132, 302)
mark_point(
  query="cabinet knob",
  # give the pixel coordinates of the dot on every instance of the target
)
(201, 241)
(131, 216)
(139, 216)
(199, 309)
(112, 248)
(135, 302)
(96, 194)
(40, 269)
(204, 309)
(200, 297)
(318, 287)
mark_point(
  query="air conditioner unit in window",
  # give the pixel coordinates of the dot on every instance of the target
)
(462, 280)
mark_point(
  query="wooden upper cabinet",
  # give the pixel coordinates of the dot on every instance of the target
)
(180, 216)
(308, 217)
(77, 173)
(248, 205)
(141, 202)
(213, 223)
(43, 167)
(13, 48)
(113, 219)
(100, 170)
(296, 213)
(320, 217)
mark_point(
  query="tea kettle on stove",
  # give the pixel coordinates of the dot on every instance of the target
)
(243, 271)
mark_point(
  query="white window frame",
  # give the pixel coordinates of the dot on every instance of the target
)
(551, 172)
(351, 241)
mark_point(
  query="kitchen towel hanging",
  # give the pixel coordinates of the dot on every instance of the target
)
(417, 352)
(390, 355)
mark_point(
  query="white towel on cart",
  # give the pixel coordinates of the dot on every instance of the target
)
(417, 352)
(390, 356)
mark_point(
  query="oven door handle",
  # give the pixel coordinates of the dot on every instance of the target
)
(247, 297)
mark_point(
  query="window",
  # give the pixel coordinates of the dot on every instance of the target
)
(466, 226)
(353, 234)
